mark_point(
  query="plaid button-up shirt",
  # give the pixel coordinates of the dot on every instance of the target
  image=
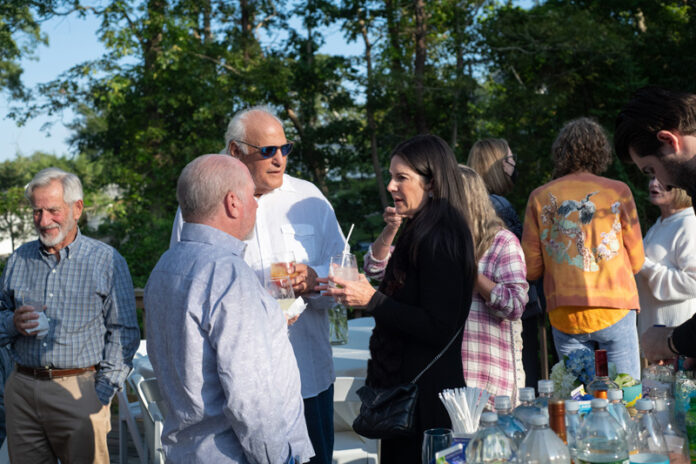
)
(90, 306)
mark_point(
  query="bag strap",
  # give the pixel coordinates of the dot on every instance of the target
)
(439, 355)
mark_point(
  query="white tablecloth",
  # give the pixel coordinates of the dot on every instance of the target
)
(350, 360)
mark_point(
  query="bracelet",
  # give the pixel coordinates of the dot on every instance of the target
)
(670, 344)
(381, 239)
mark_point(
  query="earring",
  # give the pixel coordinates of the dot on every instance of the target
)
(430, 194)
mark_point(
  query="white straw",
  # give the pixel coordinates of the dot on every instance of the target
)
(346, 249)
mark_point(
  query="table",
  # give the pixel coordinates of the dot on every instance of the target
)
(350, 360)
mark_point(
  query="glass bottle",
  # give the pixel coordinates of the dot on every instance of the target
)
(545, 388)
(490, 444)
(573, 423)
(557, 419)
(650, 438)
(619, 412)
(601, 383)
(513, 427)
(542, 445)
(690, 421)
(601, 439)
(526, 409)
(663, 404)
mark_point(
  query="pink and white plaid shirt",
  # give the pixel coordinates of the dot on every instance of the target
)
(492, 341)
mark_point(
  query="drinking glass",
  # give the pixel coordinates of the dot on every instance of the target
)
(29, 299)
(281, 290)
(435, 440)
(283, 265)
(344, 266)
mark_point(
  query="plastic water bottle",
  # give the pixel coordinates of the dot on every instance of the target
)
(545, 388)
(650, 438)
(573, 424)
(619, 412)
(664, 412)
(542, 445)
(526, 409)
(489, 445)
(601, 440)
(513, 428)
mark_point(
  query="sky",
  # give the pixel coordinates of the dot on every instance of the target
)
(71, 41)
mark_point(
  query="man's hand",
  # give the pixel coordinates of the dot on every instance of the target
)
(304, 280)
(292, 320)
(654, 344)
(25, 318)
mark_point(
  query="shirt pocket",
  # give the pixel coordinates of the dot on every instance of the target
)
(300, 239)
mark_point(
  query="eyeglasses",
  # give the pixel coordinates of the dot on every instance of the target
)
(511, 157)
(270, 150)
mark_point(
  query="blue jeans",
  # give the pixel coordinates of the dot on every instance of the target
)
(620, 340)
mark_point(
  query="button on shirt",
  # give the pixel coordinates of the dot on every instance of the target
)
(90, 306)
(219, 348)
(297, 217)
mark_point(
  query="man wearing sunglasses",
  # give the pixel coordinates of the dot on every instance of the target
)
(292, 216)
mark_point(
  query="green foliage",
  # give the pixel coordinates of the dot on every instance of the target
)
(175, 71)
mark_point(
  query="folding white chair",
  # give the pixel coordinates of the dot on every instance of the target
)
(154, 413)
(128, 413)
(349, 447)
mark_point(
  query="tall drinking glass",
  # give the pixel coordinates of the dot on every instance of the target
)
(281, 290)
(435, 440)
(343, 266)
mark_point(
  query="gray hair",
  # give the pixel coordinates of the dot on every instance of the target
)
(205, 181)
(236, 129)
(72, 187)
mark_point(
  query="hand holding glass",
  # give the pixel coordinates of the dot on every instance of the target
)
(283, 265)
(40, 330)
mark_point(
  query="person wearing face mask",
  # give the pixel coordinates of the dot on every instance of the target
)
(493, 160)
(668, 277)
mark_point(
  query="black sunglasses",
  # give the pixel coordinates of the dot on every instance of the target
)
(269, 151)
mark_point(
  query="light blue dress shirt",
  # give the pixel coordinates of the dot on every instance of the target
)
(297, 217)
(219, 346)
(90, 307)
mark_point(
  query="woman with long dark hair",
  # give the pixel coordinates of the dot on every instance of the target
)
(424, 298)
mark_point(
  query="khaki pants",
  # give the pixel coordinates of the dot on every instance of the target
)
(60, 418)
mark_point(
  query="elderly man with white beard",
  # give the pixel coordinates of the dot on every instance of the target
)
(58, 397)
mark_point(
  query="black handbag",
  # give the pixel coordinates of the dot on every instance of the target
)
(389, 412)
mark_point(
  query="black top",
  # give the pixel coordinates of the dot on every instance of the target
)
(414, 324)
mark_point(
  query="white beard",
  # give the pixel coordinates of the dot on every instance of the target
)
(51, 242)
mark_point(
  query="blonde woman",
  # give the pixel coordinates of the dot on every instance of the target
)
(493, 160)
(492, 341)
(667, 279)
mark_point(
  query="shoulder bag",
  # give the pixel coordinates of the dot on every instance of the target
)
(389, 412)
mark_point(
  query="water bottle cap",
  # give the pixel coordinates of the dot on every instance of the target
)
(545, 386)
(572, 405)
(489, 417)
(502, 402)
(538, 420)
(644, 405)
(599, 403)
(526, 394)
(615, 394)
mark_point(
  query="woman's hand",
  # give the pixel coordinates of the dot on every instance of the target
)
(354, 293)
(392, 219)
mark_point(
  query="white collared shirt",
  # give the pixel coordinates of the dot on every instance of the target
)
(297, 217)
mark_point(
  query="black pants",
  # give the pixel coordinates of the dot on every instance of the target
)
(318, 412)
(530, 350)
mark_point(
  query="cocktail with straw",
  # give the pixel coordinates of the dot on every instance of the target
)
(343, 266)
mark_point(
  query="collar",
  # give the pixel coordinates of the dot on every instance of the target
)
(194, 232)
